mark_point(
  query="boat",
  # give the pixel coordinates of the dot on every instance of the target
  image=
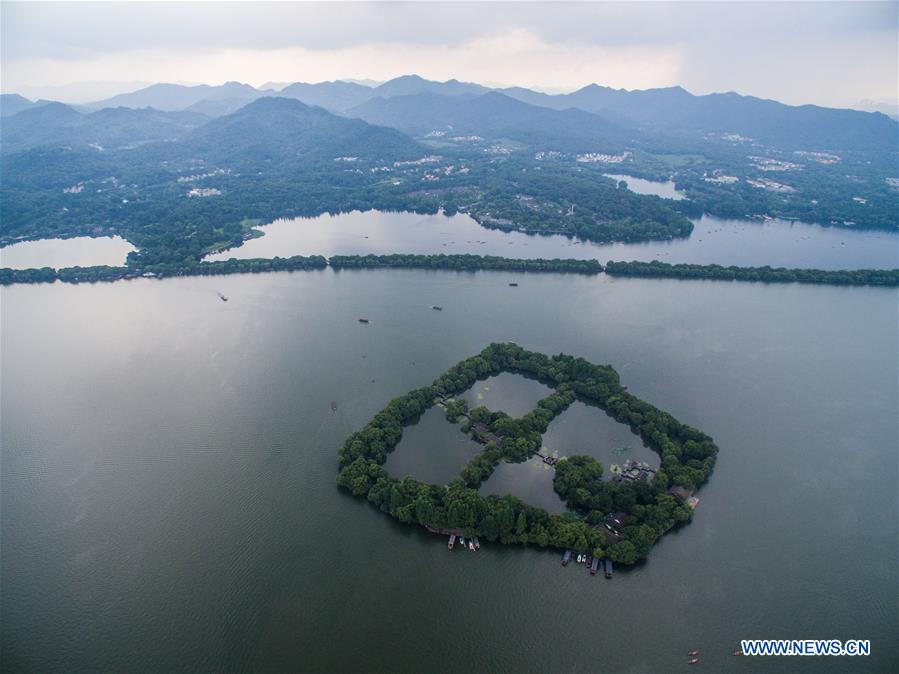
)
(594, 566)
(566, 558)
(363, 320)
(462, 540)
(333, 406)
(692, 661)
(513, 285)
(471, 545)
(222, 297)
(739, 651)
(692, 653)
(436, 308)
(589, 560)
(607, 566)
(452, 541)
(477, 544)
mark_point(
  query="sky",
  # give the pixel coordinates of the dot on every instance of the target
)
(829, 53)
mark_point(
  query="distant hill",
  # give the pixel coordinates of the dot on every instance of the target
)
(172, 97)
(409, 85)
(284, 129)
(57, 124)
(495, 116)
(11, 104)
(675, 109)
(220, 106)
(337, 96)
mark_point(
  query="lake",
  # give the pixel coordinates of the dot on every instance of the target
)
(714, 240)
(665, 189)
(168, 464)
(80, 251)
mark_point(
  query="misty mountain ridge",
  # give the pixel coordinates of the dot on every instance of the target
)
(277, 128)
(657, 111)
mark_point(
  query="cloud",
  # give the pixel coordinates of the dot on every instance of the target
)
(833, 52)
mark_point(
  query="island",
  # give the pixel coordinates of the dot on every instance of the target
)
(619, 520)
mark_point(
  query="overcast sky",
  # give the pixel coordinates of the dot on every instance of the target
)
(830, 53)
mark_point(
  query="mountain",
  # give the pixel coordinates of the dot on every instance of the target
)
(10, 104)
(172, 97)
(337, 96)
(675, 109)
(284, 129)
(220, 106)
(494, 116)
(408, 85)
(57, 124)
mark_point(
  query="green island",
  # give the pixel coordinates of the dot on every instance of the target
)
(618, 519)
(854, 277)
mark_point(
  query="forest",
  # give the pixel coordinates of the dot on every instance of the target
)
(687, 459)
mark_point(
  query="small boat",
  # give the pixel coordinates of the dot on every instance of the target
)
(739, 651)
(607, 566)
(566, 558)
(471, 545)
(436, 308)
(580, 558)
(692, 661)
(477, 543)
(333, 406)
(363, 320)
(692, 653)
(462, 540)
(594, 566)
(222, 297)
(589, 560)
(452, 541)
(513, 285)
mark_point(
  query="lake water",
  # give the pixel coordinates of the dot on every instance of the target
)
(714, 240)
(167, 476)
(586, 429)
(507, 392)
(658, 188)
(530, 480)
(81, 251)
(432, 450)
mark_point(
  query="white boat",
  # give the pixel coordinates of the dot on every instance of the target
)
(471, 545)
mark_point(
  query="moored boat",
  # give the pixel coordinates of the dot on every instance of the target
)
(607, 567)
(452, 541)
(566, 558)
(477, 543)
(594, 566)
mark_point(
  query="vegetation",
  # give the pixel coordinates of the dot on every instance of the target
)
(687, 459)
(105, 273)
(853, 277)
(465, 262)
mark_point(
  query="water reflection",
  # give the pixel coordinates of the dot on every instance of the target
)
(432, 450)
(81, 251)
(714, 240)
(641, 186)
(531, 481)
(514, 394)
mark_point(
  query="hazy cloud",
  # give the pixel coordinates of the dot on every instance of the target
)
(832, 52)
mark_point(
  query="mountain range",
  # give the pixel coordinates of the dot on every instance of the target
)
(594, 117)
